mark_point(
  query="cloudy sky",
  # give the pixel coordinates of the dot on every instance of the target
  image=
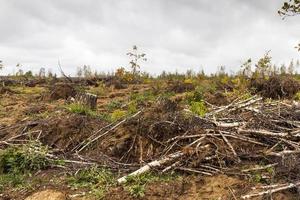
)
(175, 34)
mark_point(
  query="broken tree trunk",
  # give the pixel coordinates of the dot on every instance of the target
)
(87, 99)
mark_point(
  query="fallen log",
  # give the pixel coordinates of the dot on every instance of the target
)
(271, 191)
(263, 132)
(155, 163)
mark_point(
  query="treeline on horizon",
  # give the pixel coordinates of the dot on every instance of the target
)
(248, 68)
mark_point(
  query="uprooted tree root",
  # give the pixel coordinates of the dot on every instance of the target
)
(61, 91)
(229, 139)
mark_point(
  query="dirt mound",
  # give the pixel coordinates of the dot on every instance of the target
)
(276, 87)
(47, 195)
(35, 82)
(180, 87)
(66, 132)
(218, 99)
(6, 90)
(145, 137)
(187, 188)
(62, 91)
(116, 83)
(35, 109)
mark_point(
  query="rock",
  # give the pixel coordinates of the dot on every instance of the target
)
(47, 195)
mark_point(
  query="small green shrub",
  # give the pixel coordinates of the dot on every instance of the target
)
(80, 109)
(14, 180)
(135, 185)
(18, 162)
(25, 158)
(198, 108)
(99, 91)
(297, 96)
(132, 108)
(141, 98)
(118, 114)
(137, 190)
(113, 105)
(257, 178)
(166, 95)
(97, 180)
(196, 96)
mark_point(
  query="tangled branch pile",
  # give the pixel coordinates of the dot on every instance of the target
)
(229, 139)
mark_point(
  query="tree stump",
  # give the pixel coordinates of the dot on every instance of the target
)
(87, 99)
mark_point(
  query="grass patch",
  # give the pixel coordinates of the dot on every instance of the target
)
(113, 105)
(18, 162)
(12, 180)
(118, 114)
(25, 158)
(96, 180)
(28, 90)
(297, 96)
(80, 109)
(101, 90)
(198, 108)
(136, 185)
(84, 110)
(141, 98)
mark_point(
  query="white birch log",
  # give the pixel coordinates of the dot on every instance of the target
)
(155, 163)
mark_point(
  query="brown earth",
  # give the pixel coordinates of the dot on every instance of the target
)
(63, 131)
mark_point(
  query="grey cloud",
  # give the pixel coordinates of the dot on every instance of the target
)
(175, 34)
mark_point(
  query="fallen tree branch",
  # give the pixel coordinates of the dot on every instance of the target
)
(283, 153)
(155, 163)
(263, 132)
(106, 132)
(260, 167)
(271, 191)
(230, 146)
(194, 171)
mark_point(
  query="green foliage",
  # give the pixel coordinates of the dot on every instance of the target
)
(100, 90)
(141, 98)
(257, 178)
(1, 64)
(25, 158)
(238, 93)
(15, 180)
(290, 7)
(28, 90)
(246, 68)
(198, 108)
(297, 96)
(263, 66)
(132, 108)
(18, 162)
(118, 114)
(114, 104)
(135, 58)
(298, 47)
(97, 180)
(263, 176)
(196, 96)
(84, 110)
(135, 185)
(80, 109)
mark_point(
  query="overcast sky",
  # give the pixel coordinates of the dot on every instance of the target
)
(175, 34)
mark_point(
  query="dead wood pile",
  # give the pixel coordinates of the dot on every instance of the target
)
(229, 139)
